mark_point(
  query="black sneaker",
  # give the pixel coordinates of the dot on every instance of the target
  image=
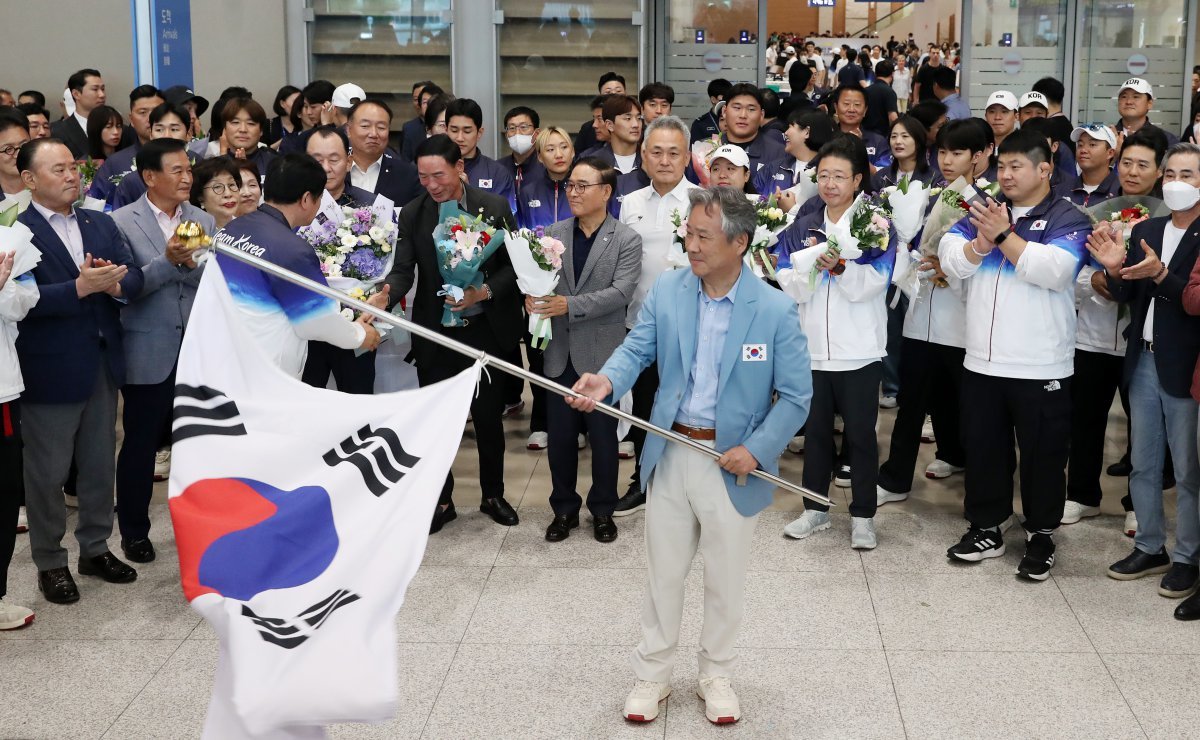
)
(1180, 581)
(841, 478)
(1138, 564)
(632, 502)
(977, 544)
(1039, 557)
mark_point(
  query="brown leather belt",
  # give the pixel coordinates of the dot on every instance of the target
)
(694, 432)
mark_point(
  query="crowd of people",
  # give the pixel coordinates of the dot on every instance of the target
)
(1029, 317)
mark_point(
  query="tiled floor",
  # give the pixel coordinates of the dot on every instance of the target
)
(506, 636)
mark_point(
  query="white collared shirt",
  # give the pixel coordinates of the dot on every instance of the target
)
(82, 120)
(67, 228)
(166, 224)
(366, 179)
(649, 214)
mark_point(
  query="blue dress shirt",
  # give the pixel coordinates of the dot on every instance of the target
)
(699, 408)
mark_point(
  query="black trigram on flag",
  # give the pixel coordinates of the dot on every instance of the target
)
(378, 455)
(288, 633)
(201, 410)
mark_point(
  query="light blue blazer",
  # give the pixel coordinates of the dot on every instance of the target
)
(748, 413)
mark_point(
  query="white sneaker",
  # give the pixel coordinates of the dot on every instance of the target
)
(162, 464)
(888, 402)
(939, 469)
(13, 617)
(582, 441)
(927, 432)
(810, 522)
(721, 704)
(1073, 511)
(538, 441)
(625, 450)
(1130, 524)
(862, 533)
(796, 446)
(642, 703)
(884, 496)
(841, 478)
(22, 521)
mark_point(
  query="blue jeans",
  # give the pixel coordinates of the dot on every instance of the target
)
(1160, 420)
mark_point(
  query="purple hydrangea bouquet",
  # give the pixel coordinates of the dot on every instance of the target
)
(356, 246)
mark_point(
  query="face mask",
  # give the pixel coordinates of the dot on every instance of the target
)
(1180, 196)
(520, 143)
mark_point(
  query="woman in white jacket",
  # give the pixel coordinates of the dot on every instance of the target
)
(842, 311)
(16, 298)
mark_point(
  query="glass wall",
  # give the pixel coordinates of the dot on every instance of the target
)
(382, 45)
(553, 53)
(706, 39)
(1013, 44)
(1121, 39)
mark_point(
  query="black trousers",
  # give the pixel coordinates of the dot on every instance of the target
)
(644, 389)
(352, 374)
(565, 426)
(854, 393)
(147, 422)
(930, 383)
(1093, 386)
(435, 364)
(12, 485)
(1038, 414)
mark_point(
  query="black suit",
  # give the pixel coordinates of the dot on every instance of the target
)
(496, 331)
(69, 132)
(1176, 334)
(398, 180)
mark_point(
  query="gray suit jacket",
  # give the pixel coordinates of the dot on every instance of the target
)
(594, 325)
(155, 320)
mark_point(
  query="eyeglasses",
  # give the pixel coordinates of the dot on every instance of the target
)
(220, 188)
(12, 149)
(835, 179)
(579, 187)
(524, 128)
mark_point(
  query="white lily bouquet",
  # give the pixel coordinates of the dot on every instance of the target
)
(906, 201)
(771, 221)
(867, 230)
(537, 260)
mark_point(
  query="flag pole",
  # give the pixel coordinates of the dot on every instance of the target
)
(438, 338)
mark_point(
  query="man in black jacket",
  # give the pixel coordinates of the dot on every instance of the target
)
(492, 312)
(1164, 343)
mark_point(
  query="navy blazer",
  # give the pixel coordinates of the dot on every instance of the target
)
(1176, 334)
(60, 339)
(397, 180)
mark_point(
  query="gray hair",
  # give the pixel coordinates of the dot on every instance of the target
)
(738, 215)
(670, 123)
(1183, 147)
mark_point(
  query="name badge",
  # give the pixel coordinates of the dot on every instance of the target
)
(780, 176)
(535, 204)
(1039, 225)
(871, 151)
(485, 184)
(754, 353)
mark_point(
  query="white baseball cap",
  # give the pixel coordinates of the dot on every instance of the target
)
(1002, 97)
(732, 153)
(345, 96)
(1097, 131)
(1137, 84)
(1034, 98)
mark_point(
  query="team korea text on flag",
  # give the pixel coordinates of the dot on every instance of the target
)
(301, 515)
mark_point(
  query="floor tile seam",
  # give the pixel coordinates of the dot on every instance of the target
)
(1107, 671)
(142, 690)
(883, 645)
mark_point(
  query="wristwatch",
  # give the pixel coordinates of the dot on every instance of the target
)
(1001, 237)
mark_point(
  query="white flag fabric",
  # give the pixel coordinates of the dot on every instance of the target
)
(300, 515)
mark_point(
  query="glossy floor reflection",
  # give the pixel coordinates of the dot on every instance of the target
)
(506, 636)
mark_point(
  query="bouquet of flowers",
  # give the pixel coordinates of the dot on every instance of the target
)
(906, 202)
(677, 252)
(868, 231)
(1122, 214)
(952, 205)
(87, 173)
(355, 245)
(537, 260)
(463, 244)
(771, 221)
(701, 151)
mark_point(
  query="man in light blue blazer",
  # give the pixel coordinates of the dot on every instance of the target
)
(734, 374)
(154, 325)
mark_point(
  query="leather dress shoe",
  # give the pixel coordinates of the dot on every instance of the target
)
(500, 511)
(139, 550)
(1138, 564)
(561, 527)
(441, 516)
(58, 586)
(106, 566)
(604, 528)
(1189, 609)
